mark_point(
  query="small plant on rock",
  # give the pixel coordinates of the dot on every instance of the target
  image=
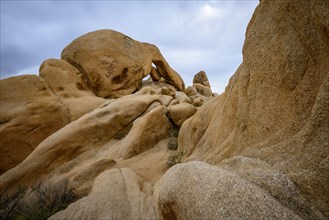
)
(172, 143)
(50, 199)
(173, 138)
(9, 205)
(175, 158)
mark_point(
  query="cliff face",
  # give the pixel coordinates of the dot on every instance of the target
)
(262, 146)
(275, 108)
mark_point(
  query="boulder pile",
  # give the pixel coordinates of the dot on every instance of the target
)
(91, 133)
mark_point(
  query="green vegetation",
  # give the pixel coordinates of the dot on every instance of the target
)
(175, 157)
(173, 138)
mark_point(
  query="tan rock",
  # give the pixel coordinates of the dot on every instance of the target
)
(116, 194)
(174, 102)
(203, 90)
(181, 112)
(82, 177)
(150, 165)
(29, 113)
(154, 105)
(166, 99)
(155, 75)
(198, 101)
(70, 87)
(201, 78)
(158, 86)
(275, 109)
(78, 141)
(114, 64)
(146, 132)
(168, 91)
(273, 181)
(197, 190)
(266, 137)
(190, 91)
(182, 97)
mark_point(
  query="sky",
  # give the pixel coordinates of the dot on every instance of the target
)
(191, 35)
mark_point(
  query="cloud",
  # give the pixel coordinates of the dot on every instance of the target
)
(192, 35)
(208, 12)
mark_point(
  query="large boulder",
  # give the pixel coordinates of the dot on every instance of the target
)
(32, 107)
(196, 190)
(72, 146)
(114, 64)
(278, 184)
(116, 194)
(201, 78)
(146, 132)
(181, 112)
(265, 139)
(70, 86)
(29, 113)
(276, 106)
(203, 90)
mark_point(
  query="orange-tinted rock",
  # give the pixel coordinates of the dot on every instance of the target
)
(276, 106)
(70, 87)
(201, 78)
(114, 64)
(29, 113)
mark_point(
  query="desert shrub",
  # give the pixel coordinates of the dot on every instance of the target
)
(173, 138)
(175, 157)
(9, 205)
(172, 143)
(173, 132)
(50, 199)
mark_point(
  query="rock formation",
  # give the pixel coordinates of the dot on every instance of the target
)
(70, 86)
(29, 113)
(33, 108)
(197, 190)
(201, 78)
(114, 64)
(275, 108)
(152, 149)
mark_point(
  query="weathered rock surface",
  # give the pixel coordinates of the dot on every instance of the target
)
(199, 101)
(181, 112)
(145, 133)
(77, 142)
(276, 105)
(160, 87)
(29, 113)
(114, 64)
(200, 92)
(116, 194)
(203, 90)
(196, 190)
(70, 87)
(181, 97)
(264, 142)
(201, 78)
(168, 91)
(190, 91)
(32, 108)
(84, 135)
(273, 181)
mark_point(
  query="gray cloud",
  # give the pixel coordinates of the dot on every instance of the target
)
(192, 35)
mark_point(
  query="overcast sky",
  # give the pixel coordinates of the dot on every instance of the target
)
(192, 35)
